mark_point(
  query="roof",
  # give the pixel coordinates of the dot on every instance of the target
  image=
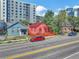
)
(66, 23)
(12, 24)
(34, 25)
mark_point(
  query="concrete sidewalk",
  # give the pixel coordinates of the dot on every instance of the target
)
(48, 39)
(62, 36)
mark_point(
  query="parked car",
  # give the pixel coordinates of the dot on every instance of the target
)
(37, 38)
(72, 34)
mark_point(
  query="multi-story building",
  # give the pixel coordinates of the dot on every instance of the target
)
(12, 11)
(70, 11)
(76, 11)
(73, 11)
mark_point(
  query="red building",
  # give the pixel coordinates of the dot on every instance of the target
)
(39, 28)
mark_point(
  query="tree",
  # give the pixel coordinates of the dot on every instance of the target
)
(25, 22)
(60, 19)
(74, 21)
(48, 19)
(56, 23)
(49, 13)
(77, 21)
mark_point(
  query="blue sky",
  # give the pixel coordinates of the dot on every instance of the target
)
(54, 4)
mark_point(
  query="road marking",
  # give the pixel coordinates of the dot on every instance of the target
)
(8, 49)
(4, 47)
(71, 55)
(10, 43)
(48, 55)
(41, 50)
(18, 47)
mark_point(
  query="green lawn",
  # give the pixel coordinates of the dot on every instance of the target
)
(11, 39)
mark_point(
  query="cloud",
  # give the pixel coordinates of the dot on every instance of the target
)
(40, 10)
(67, 7)
(76, 6)
(55, 13)
(59, 9)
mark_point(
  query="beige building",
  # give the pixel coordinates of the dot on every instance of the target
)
(66, 27)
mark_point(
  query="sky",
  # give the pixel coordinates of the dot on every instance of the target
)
(54, 5)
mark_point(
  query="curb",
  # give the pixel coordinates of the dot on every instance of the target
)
(16, 41)
(51, 37)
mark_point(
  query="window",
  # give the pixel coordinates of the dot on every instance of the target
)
(16, 16)
(27, 7)
(24, 9)
(16, 11)
(65, 28)
(20, 11)
(33, 17)
(3, 5)
(8, 4)
(26, 15)
(20, 8)
(16, 2)
(3, 2)
(12, 19)
(34, 10)
(3, 15)
(8, 0)
(17, 30)
(20, 14)
(27, 12)
(12, 30)
(12, 7)
(3, 9)
(24, 6)
(3, 12)
(12, 13)
(16, 8)
(20, 3)
(12, 1)
(12, 4)
(34, 14)
(12, 10)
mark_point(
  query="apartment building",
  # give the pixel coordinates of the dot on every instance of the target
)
(70, 11)
(73, 11)
(12, 11)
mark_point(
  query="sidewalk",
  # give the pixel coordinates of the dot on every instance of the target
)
(61, 36)
(48, 39)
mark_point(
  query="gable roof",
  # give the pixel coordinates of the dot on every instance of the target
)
(35, 25)
(66, 23)
(12, 24)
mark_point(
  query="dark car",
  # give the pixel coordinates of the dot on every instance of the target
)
(37, 38)
(72, 34)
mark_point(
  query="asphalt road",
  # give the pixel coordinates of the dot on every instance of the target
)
(27, 49)
(58, 53)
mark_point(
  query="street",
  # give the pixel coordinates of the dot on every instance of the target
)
(39, 29)
(59, 47)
